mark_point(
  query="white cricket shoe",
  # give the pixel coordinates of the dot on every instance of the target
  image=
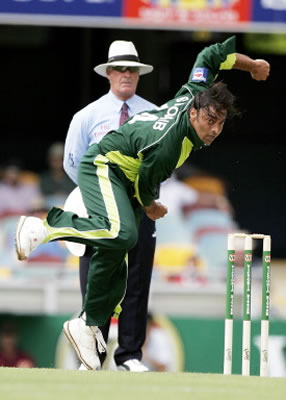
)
(133, 365)
(29, 234)
(85, 340)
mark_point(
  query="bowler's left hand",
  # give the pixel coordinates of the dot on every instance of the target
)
(156, 210)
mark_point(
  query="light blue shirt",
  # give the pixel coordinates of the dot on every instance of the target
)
(90, 124)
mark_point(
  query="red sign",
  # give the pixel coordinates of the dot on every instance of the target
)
(188, 12)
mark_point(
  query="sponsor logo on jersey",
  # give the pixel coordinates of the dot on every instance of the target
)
(200, 75)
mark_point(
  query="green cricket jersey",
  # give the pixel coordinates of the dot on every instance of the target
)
(150, 145)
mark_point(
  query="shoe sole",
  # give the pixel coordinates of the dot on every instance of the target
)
(20, 252)
(74, 345)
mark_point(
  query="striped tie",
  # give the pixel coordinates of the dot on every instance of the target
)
(124, 114)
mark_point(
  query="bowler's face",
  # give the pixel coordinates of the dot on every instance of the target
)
(208, 123)
(123, 84)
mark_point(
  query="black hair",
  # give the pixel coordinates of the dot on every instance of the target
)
(219, 97)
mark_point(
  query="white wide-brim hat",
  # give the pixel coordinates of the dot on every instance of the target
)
(124, 54)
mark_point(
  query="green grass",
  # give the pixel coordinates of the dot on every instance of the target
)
(55, 384)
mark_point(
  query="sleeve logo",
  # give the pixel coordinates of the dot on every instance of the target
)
(199, 75)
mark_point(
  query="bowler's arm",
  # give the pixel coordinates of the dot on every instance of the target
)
(259, 69)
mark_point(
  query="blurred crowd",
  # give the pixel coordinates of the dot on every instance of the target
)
(23, 191)
(11, 352)
(192, 237)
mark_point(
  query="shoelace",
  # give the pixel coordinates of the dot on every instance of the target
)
(101, 345)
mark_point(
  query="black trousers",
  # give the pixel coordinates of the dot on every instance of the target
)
(133, 317)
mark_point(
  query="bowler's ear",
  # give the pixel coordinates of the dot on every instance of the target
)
(193, 113)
